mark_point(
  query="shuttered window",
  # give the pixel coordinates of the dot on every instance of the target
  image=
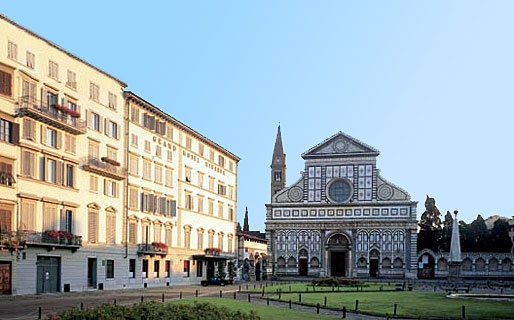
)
(49, 217)
(111, 228)
(133, 232)
(28, 215)
(92, 232)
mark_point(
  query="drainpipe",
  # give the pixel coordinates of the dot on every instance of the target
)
(125, 183)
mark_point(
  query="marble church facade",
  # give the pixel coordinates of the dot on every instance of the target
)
(341, 217)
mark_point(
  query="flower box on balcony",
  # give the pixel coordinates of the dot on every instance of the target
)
(110, 161)
(159, 246)
(212, 251)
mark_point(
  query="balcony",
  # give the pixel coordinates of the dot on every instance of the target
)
(155, 248)
(55, 115)
(104, 167)
(51, 240)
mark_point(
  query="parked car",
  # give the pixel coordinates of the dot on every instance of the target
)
(214, 281)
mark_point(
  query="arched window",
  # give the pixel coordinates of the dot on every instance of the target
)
(398, 263)
(442, 264)
(467, 264)
(291, 262)
(281, 262)
(314, 262)
(506, 265)
(362, 263)
(386, 263)
(480, 264)
(493, 264)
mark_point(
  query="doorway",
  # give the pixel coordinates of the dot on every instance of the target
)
(5, 278)
(373, 267)
(337, 264)
(48, 276)
(303, 268)
(91, 272)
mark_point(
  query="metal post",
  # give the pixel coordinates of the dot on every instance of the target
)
(39, 312)
(235, 296)
(141, 298)
(317, 308)
(180, 295)
(115, 302)
(162, 299)
(356, 305)
(463, 312)
(325, 301)
(289, 303)
(395, 306)
(344, 312)
(196, 293)
(267, 301)
(221, 293)
(248, 297)
(300, 297)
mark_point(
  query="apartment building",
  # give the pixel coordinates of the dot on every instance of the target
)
(84, 206)
(181, 199)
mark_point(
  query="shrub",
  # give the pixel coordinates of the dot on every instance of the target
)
(335, 282)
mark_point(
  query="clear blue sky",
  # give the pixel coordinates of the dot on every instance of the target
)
(428, 83)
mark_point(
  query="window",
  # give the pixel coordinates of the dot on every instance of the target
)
(94, 150)
(112, 153)
(158, 173)
(67, 220)
(12, 50)
(109, 269)
(31, 60)
(134, 165)
(211, 238)
(211, 207)
(188, 143)
(51, 101)
(132, 268)
(28, 164)
(110, 224)
(222, 190)
(133, 140)
(93, 184)
(169, 177)
(200, 204)
(132, 232)
(69, 176)
(71, 80)
(92, 232)
(149, 121)
(6, 217)
(160, 127)
(147, 146)
(230, 240)
(220, 209)
(170, 156)
(69, 143)
(340, 190)
(48, 170)
(112, 100)
(50, 217)
(134, 114)
(200, 179)
(112, 129)
(189, 201)
(6, 173)
(94, 92)
(28, 91)
(5, 83)
(201, 149)
(167, 267)
(53, 69)
(9, 131)
(231, 192)
(28, 215)
(147, 169)
(199, 232)
(211, 155)
(110, 188)
(187, 174)
(211, 184)
(221, 235)
(230, 213)
(94, 121)
(133, 198)
(158, 151)
(29, 129)
(277, 176)
(187, 237)
(52, 138)
(221, 161)
(156, 265)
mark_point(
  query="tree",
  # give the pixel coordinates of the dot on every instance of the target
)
(430, 226)
(479, 231)
(446, 233)
(498, 237)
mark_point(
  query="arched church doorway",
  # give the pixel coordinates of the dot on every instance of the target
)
(426, 265)
(338, 246)
(374, 256)
(303, 259)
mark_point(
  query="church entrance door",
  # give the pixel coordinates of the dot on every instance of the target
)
(373, 268)
(337, 264)
(302, 266)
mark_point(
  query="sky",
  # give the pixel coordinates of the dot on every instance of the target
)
(427, 83)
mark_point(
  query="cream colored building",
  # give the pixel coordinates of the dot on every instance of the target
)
(68, 220)
(181, 198)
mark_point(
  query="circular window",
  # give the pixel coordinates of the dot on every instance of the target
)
(339, 190)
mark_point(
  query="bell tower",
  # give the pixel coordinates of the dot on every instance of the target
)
(278, 166)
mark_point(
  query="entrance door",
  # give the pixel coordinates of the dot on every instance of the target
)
(303, 267)
(210, 269)
(337, 264)
(373, 268)
(91, 272)
(5, 278)
(48, 276)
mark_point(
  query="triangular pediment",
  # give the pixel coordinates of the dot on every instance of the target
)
(340, 145)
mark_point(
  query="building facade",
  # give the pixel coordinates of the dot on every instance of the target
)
(341, 217)
(252, 255)
(98, 188)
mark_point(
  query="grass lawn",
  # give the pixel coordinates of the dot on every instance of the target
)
(265, 312)
(409, 303)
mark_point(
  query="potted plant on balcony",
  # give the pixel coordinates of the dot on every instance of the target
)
(159, 246)
(110, 161)
(212, 251)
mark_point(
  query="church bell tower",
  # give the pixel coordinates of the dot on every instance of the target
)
(278, 166)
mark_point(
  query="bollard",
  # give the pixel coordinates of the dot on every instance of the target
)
(180, 295)
(333, 288)
(289, 303)
(306, 289)
(82, 306)
(248, 297)
(162, 299)
(115, 302)
(254, 285)
(300, 297)
(39, 312)
(221, 293)
(262, 295)
(267, 301)
(344, 312)
(317, 308)
(141, 298)
(235, 297)
(239, 288)
(246, 287)
(279, 294)
(395, 307)
(463, 312)
(289, 288)
(196, 293)
(325, 301)
(356, 305)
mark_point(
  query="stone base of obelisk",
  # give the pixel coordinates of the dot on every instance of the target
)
(454, 275)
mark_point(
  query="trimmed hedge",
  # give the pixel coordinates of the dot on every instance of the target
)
(335, 282)
(155, 311)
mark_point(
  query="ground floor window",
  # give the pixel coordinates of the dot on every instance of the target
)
(109, 269)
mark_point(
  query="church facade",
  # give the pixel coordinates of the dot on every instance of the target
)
(341, 217)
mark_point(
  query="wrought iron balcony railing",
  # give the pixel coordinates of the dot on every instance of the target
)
(55, 115)
(14, 240)
(105, 168)
(151, 249)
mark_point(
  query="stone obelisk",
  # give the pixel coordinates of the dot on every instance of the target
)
(455, 260)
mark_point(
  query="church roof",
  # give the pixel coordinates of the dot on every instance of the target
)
(340, 145)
